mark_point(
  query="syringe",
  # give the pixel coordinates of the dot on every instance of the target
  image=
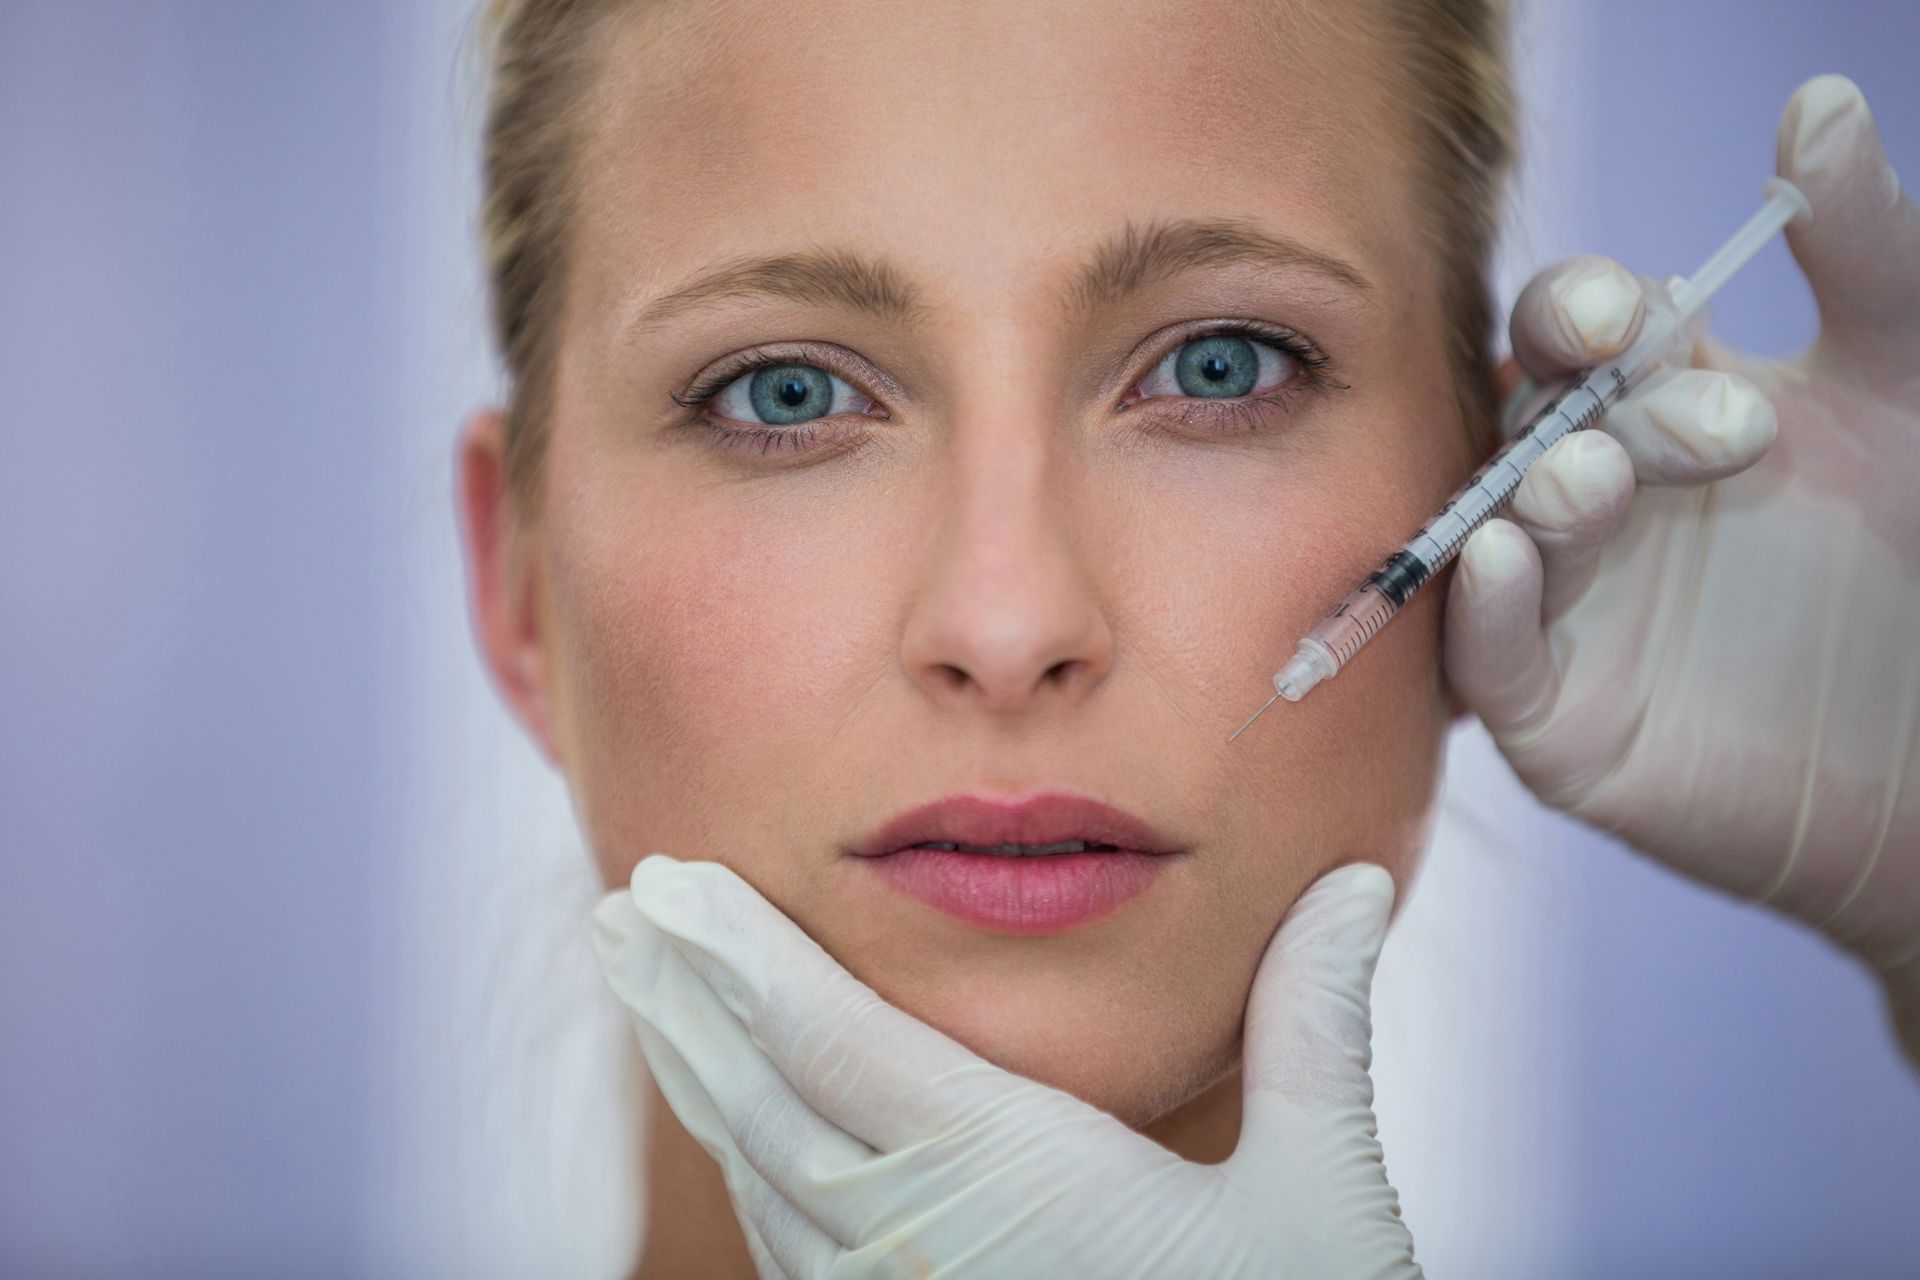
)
(1667, 325)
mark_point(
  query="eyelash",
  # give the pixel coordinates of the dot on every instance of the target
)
(1236, 412)
(701, 395)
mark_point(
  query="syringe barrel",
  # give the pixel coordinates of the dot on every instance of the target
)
(1352, 624)
(1578, 407)
(1434, 545)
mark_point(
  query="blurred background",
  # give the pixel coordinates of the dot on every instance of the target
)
(294, 973)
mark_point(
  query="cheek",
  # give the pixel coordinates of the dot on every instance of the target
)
(695, 653)
(1351, 771)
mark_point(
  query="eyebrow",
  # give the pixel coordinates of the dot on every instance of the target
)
(829, 277)
(1137, 256)
(1141, 255)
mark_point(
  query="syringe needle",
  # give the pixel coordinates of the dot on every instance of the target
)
(1255, 716)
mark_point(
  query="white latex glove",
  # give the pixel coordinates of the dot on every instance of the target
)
(859, 1142)
(1724, 668)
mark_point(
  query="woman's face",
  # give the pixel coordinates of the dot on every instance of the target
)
(1014, 525)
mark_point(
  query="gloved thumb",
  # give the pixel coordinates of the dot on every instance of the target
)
(1309, 1022)
(1309, 1025)
(1861, 251)
(1308, 1139)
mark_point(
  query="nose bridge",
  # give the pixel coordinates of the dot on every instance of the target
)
(1009, 611)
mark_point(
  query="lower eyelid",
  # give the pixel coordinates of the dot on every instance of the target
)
(1225, 416)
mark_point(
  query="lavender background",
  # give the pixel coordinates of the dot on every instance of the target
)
(293, 971)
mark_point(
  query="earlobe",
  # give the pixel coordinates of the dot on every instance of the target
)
(502, 581)
(1506, 379)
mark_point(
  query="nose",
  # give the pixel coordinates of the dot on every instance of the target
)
(1009, 619)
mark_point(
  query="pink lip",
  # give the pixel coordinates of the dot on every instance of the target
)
(1046, 818)
(1035, 894)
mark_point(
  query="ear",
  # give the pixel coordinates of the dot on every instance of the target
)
(1456, 709)
(503, 585)
(1507, 377)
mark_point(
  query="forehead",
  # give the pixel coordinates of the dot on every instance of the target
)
(979, 142)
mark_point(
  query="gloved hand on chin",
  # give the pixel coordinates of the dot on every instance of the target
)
(858, 1141)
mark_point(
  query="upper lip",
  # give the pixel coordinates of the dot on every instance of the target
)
(1047, 818)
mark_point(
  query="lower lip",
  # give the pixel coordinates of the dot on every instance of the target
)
(1043, 893)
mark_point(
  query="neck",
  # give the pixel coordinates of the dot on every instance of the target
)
(691, 1230)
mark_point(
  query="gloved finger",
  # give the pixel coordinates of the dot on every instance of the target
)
(876, 1072)
(1308, 1026)
(1570, 502)
(736, 1103)
(1861, 250)
(1690, 426)
(1308, 1138)
(1493, 648)
(765, 1265)
(785, 1243)
(1308, 1030)
(1575, 313)
(635, 958)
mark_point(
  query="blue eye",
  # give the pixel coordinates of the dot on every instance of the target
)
(778, 395)
(1218, 366)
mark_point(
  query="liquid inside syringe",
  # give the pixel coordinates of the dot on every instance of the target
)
(1332, 644)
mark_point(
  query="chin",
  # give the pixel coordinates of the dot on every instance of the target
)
(1137, 1059)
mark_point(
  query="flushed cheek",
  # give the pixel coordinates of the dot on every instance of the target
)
(695, 660)
(1351, 771)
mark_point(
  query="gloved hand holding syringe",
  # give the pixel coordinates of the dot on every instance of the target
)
(1674, 317)
(1696, 629)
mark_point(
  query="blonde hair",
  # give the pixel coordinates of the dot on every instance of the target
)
(1458, 91)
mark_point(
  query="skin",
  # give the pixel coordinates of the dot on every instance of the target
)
(1008, 583)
